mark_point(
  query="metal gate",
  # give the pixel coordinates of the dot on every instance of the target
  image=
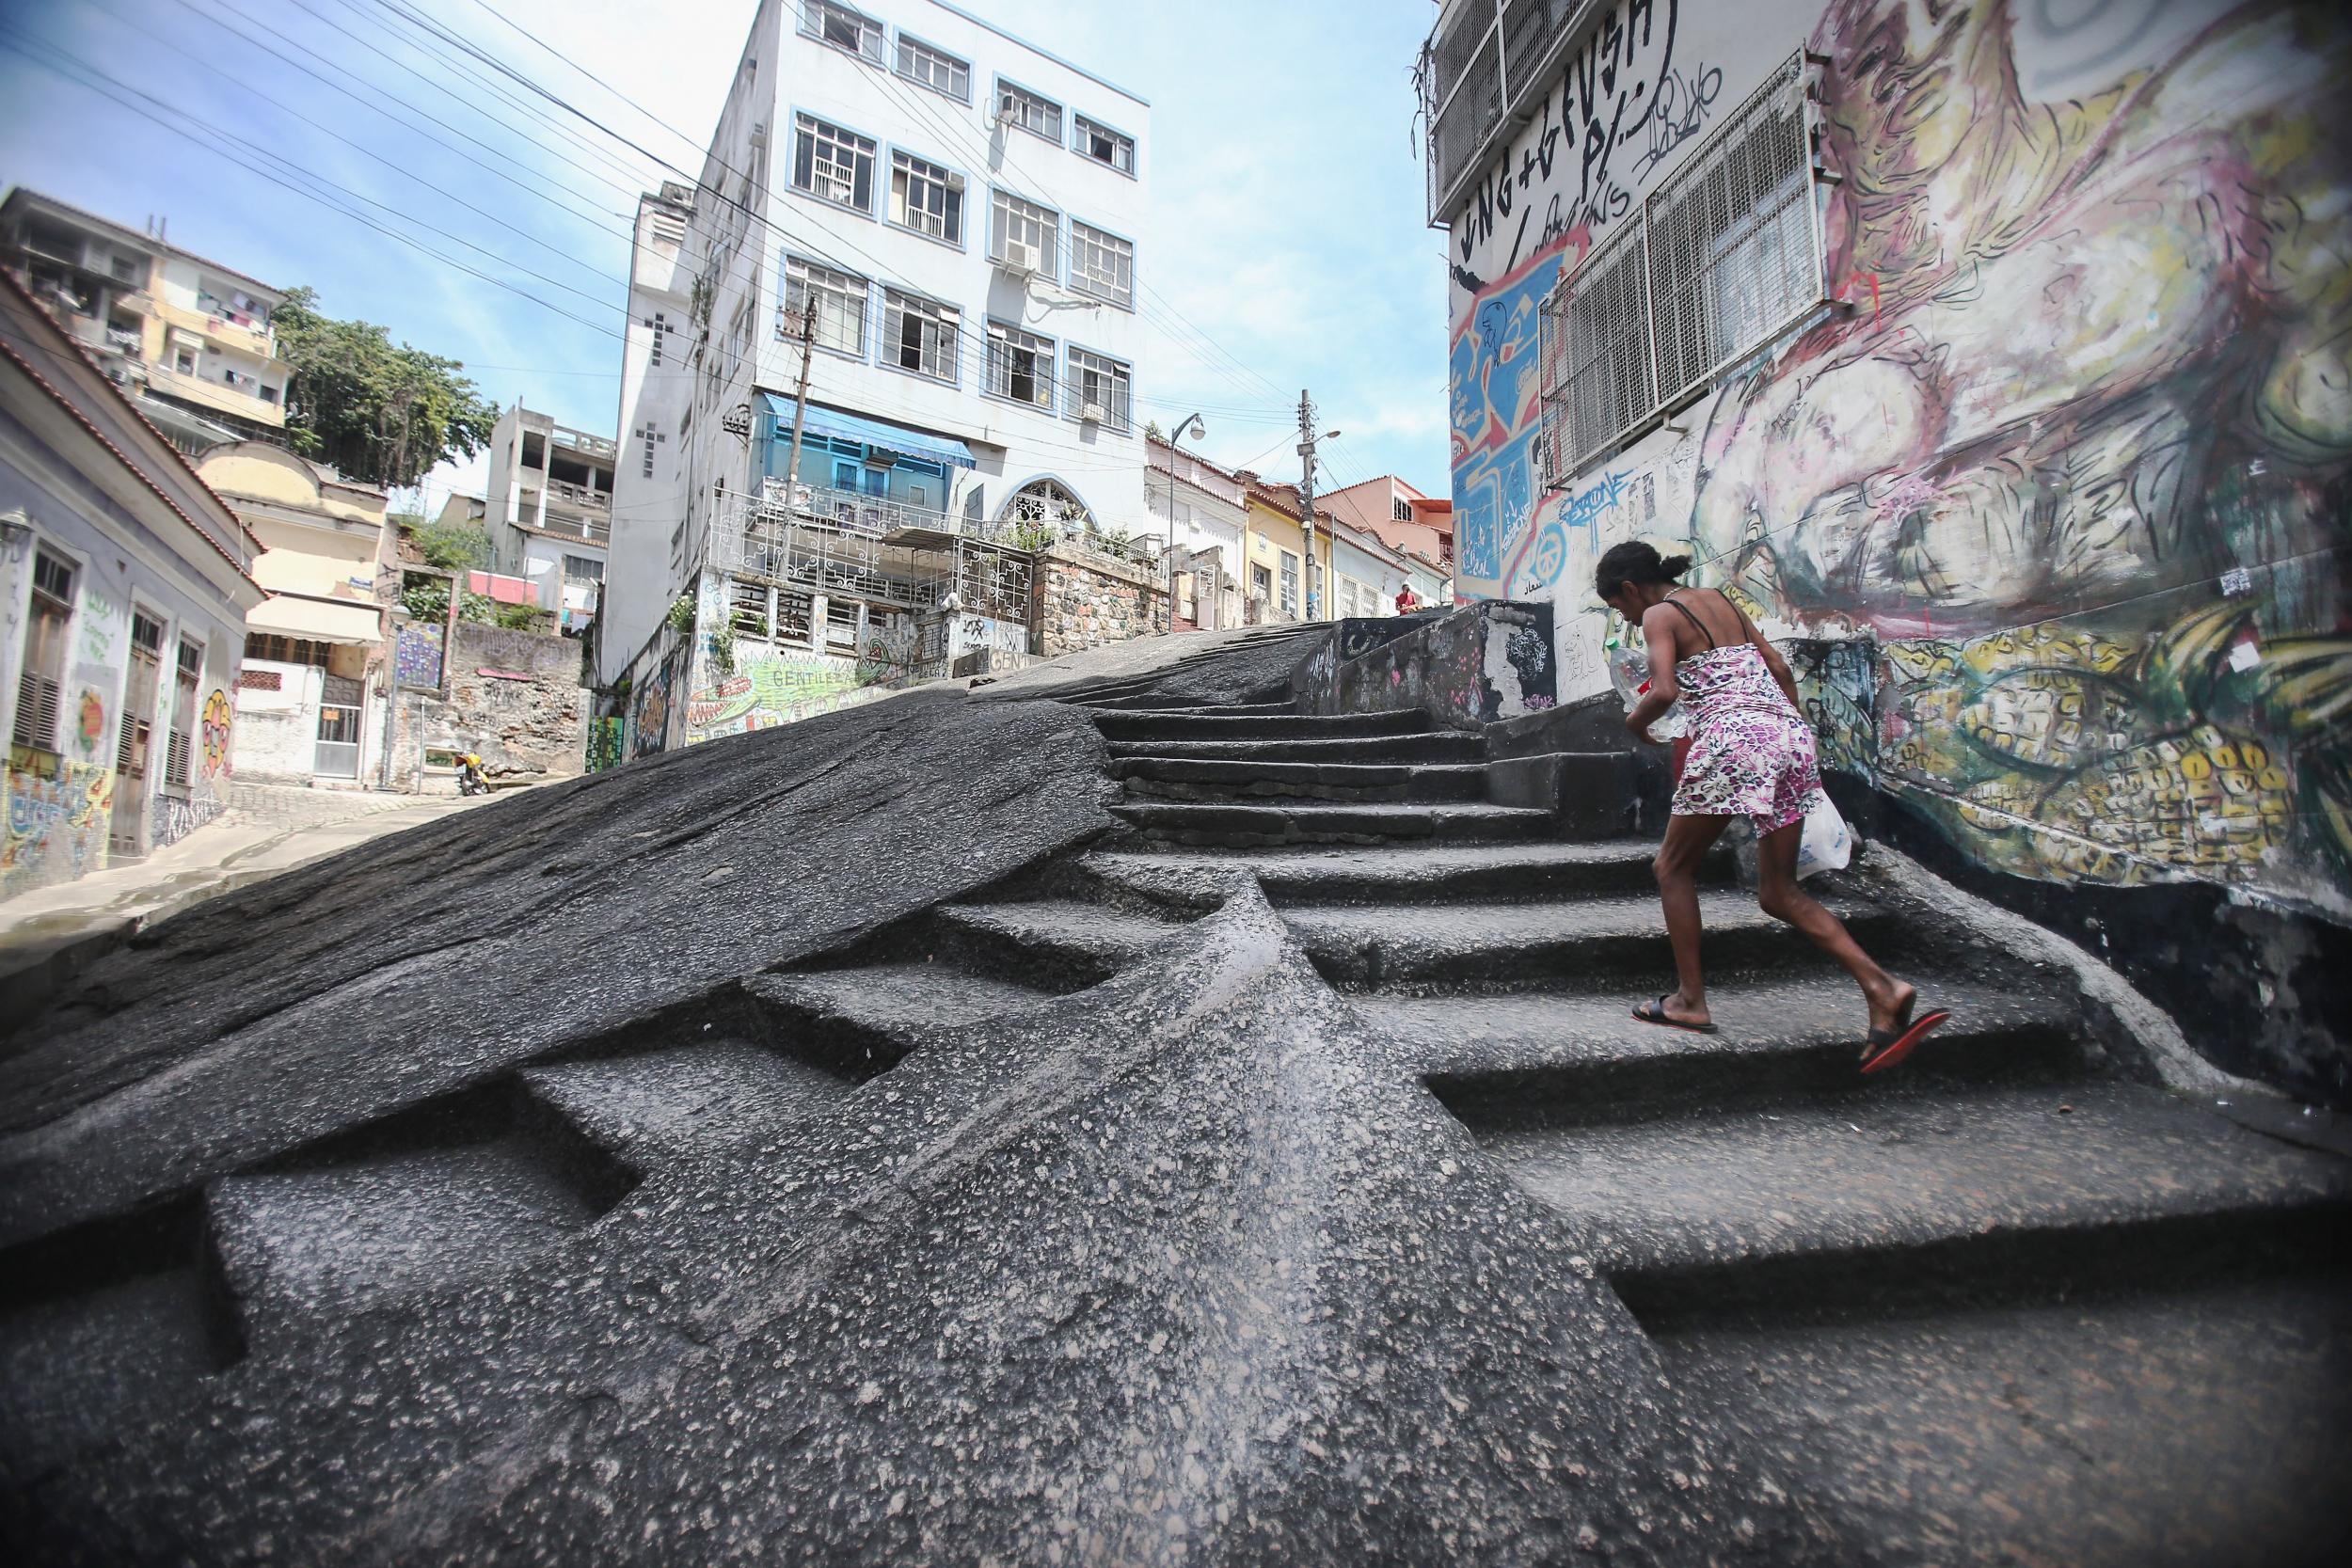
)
(339, 741)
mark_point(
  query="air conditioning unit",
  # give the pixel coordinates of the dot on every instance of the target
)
(955, 182)
(1091, 414)
(1022, 260)
(760, 134)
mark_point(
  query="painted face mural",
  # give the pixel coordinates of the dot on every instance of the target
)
(2070, 465)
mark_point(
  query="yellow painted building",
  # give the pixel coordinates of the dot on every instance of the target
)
(1276, 581)
(314, 658)
(188, 339)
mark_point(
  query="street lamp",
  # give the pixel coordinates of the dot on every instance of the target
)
(1192, 425)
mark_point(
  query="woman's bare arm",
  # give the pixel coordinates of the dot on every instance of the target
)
(1772, 661)
(1658, 635)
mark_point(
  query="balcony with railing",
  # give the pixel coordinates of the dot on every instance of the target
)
(1486, 65)
(581, 441)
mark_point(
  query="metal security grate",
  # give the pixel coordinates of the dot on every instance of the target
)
(1732, 252)
(1596, 355)
(1722, 258)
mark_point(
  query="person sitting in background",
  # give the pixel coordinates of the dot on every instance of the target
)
(1407, 600)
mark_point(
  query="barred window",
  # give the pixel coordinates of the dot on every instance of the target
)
(1721, 258)
(181, 740)
(925, 198)
(1103, 144)
(840, 299)
(935, 69)
(1097, 390)
(1020, 365)
(921, 334)
(832, 163)
(1040, 117)
(1027, 236)
(844, 28)
(1102, 265)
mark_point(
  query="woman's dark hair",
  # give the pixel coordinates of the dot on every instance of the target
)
(1634, 562)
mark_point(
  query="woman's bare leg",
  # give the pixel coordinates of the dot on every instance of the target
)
(1688, 839)
(1783, 897)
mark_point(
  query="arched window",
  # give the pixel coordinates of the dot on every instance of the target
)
(1048, 500)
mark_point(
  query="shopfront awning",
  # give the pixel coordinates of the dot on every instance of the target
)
(873, 433)
(282, 615)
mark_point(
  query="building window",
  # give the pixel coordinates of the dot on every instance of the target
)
(40, 683)
(1401, 509)
(1721, 258)
(176, 749)
(1097, 390)
(135, 733)
(832, 163)
(660, 326)
(183, 360)
(650, 434)
(1290, 586)
(125, 269)
(1046, 500)
(831, 23)
(1102, 265)
(1020, 365)
(934, 68)
(1027, 236)
(286, 650)
(840, 300)
(1261, 584)
(1040, 117)
(926, 198)
(1103, 144)
(581, 571)
(920, 335)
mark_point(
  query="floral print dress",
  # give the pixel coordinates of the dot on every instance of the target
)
(1753, 754)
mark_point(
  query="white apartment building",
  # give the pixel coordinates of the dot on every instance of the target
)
(952, 211)
(549, 509)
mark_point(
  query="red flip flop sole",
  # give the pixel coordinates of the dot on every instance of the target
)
(1905, 1043)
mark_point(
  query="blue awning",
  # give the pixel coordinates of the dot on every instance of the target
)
(873, 433)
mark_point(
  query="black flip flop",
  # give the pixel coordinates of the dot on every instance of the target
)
(1654, 1012)
(1886, 1048)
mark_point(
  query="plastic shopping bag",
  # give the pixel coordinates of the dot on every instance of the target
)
(1826, 844)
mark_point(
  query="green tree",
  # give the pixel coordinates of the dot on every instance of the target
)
(382, 413)
(454, 547)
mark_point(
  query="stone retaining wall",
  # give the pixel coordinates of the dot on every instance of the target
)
(1083, 600)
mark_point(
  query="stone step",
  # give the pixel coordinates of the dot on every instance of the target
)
(898, 996)
(1610, 943)
(1420, 873)
(1155, 702)
(1190, 779)
(661, 1105)
(1061, 936)
(1425, 746)
(437, 1194)
(1293, 726)
(1236, 823)
(1682, 1199)
(1563, 1059)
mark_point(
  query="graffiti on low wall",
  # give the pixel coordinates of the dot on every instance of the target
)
(58, 812)
(780, 690)
(218, 718)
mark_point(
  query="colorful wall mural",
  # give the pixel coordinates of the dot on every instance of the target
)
(58, 811)
(781, 688)
(604, 744)
(2067, 472)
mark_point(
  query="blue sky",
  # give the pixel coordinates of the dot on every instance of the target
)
(1288, 226)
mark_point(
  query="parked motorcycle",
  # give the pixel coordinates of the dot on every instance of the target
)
(470, 778)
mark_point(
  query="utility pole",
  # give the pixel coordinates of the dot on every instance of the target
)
(1307, 493)
(799, 398)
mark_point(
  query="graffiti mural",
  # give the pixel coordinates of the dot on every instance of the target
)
(604, 744)
(649, 711)
(2058, 495)
(767, 691)
(57, 818)
(417, 656)
(218, 717)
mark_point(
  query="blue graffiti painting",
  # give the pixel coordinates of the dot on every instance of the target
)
(1493, 396)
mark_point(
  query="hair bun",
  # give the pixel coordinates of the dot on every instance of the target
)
(1675, 565)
